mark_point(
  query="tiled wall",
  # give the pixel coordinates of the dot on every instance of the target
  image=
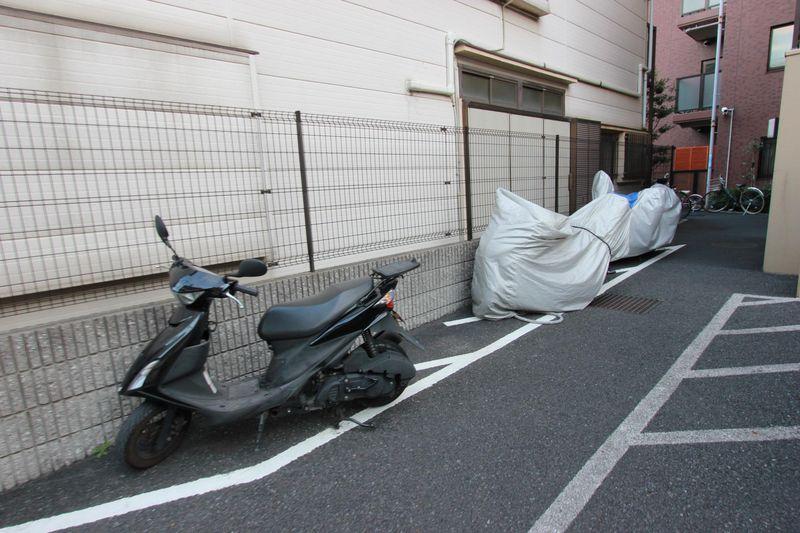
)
(58, 397)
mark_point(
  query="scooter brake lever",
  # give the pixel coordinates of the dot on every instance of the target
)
(235, 299)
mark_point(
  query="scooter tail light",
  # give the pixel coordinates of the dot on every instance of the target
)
(388, 300)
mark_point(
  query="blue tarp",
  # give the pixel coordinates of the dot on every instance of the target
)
(632, 197)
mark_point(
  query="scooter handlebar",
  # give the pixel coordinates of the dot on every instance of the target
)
(247, 290)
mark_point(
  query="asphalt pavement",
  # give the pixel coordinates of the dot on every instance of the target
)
(494, 444)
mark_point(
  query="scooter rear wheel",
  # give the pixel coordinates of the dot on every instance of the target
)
(381, 346)
(140, 442)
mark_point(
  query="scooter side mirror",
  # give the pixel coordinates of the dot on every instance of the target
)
(161, 229)
(250, 268)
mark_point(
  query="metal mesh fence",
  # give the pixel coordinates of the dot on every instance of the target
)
(533, 166)
(82, 177)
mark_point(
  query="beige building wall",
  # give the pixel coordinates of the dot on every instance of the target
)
(320, 56)
(782, 253)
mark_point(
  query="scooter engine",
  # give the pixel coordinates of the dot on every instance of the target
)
(339, 388)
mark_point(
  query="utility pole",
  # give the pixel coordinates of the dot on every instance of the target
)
(714, 98)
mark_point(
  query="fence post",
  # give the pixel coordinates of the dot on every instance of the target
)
(467, 182)
(672, 166)
(301, 153)
(558, 154)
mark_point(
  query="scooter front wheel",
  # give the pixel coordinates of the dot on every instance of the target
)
(151, 433)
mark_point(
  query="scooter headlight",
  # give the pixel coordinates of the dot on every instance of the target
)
(187, 298)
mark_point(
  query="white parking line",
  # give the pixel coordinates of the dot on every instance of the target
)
(750, 331)
(574, 497)
(451, 323)
(766, 300)
(743, 370)
(708, 436)
(265, 468)
(275, 463)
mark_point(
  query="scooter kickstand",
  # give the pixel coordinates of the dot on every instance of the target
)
(262, 421)
(339, 414)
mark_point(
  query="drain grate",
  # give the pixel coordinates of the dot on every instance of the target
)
(626, 304)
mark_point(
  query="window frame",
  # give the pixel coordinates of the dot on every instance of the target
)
(701, 90)
(520, 84)
(769, 46)
(699, 94)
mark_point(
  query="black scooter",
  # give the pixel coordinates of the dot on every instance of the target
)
(314, 365)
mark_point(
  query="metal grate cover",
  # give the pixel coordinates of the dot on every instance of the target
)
(626, 304)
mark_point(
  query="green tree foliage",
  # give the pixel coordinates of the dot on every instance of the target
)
(663, 105)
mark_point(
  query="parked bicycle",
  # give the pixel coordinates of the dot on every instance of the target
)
(748, 198)
(690, 202)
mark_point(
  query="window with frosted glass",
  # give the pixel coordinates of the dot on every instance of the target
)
(690, 6)
(780, 41)
(504, 93)
(688, 93)
(532, 99)
(553, 103)
(474, 87)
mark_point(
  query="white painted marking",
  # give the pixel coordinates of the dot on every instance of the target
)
(468, 320)
(743, 370)
(261, 470)
(425, 365)
(767, 300)
(708, 436)
(620, 270)
(751, 331)
(582, 487)
(638, 268)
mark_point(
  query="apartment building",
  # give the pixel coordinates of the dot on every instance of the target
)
(756, 38)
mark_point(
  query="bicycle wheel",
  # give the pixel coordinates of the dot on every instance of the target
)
(695, 202)
(716, 201)
(752, 200)
(686, 208)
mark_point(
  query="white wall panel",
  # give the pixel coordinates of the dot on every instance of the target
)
(314, 97)
(289, 55)
(142, 15)
(345, 23)
(37, 60)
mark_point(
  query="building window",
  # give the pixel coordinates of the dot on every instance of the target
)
(780, 42)
(691, 6)
(608, 153)
(513, 94)
(475, 87)
(766, 158)
(696, 92)
(504, 93)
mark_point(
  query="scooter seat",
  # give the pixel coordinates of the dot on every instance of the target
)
(303, 318)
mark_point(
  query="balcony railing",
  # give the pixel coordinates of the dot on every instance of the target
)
(694, 93)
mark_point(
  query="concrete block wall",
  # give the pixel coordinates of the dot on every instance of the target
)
(58, 383)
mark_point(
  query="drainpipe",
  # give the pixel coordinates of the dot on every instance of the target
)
(728, 112)
(251, 60)
(711, 136)
(649, 71)
(502, 26)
